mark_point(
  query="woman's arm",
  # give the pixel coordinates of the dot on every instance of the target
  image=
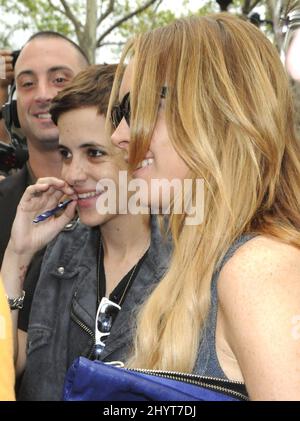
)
(27, 238)
(259, 295)
(14, 269)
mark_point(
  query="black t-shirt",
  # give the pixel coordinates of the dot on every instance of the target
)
(122, 288)
(30, 282)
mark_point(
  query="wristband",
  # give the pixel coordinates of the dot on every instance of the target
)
(16, 303)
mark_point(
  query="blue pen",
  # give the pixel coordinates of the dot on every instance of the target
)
(51, 212)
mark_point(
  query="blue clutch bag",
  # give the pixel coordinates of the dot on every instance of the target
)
(88, 380)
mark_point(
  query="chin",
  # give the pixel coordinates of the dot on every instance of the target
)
(47, 141)
(49, 136)
(94, 220)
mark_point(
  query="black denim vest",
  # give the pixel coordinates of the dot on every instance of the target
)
(62, 319)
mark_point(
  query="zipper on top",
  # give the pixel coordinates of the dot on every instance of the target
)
(203, 381)
(83, 326)
(86, 329)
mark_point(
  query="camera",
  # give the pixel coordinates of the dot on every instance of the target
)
(13, 155)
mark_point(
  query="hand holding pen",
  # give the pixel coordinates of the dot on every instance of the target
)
(39, 202)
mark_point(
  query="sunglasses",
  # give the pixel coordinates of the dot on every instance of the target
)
(105, 316)
(122, 110)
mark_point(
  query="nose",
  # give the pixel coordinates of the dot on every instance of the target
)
(121, 136)
(74, 173)
(44, 92)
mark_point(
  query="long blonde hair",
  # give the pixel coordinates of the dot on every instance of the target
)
(229, 116)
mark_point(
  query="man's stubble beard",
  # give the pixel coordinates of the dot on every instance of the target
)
(45, 143)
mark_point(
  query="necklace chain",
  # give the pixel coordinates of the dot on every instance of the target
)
(127, 284)
(133, 270)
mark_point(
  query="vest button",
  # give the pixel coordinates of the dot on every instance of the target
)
(61, 270)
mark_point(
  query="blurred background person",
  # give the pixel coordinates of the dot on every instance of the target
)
(7, 372)
(293, 57)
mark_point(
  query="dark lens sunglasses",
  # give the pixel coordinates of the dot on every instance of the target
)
(122, 110)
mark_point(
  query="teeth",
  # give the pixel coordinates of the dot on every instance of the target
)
(46, 115)
(86, 195)
(145, 163)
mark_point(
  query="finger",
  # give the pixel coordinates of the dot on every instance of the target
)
(8, 78)
(64, 190)
(47, 192)
(9, 67)
(42, 194)
(9, 75)
(50, 180)
(5, 63)
(58, 183)
(36, 190)
(33, 199)
(44, 200)
(6, 54)
(68, 213)
(54, 194)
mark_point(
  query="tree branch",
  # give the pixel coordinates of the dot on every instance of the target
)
(246, 8)
(124, 19)
(159, 2)
(108, 43)
(5, 39)
(58, 9)
(72, 17)
(254, 4)
(108, 11)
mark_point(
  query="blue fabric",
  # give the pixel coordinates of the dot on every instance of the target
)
(207, 363)
(96, 381)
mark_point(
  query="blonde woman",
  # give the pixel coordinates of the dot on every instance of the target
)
(207, 98)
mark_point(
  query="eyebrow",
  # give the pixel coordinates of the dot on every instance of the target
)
(53, 69)
(85, 145)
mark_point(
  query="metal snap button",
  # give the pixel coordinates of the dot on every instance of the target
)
(61, 270)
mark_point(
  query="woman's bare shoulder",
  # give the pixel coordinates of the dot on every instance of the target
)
(264, 256)
(259, 302)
